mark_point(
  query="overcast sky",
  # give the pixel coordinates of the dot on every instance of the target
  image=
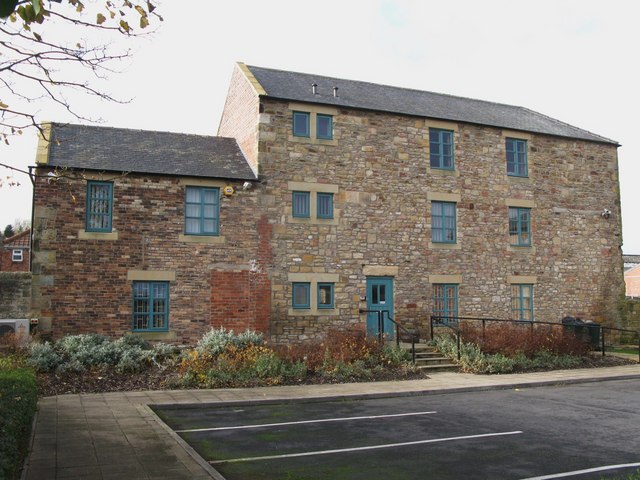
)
(574, 60)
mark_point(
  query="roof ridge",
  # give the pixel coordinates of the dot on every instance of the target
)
(111, 127)
(16, 236)
(409, 89)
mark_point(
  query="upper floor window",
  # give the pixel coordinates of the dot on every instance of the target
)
(16, 255)
(301, 295)
(324, 126)
(99, 206)
(324, 205)
(445, 301)
(517, 157)
(441, 148)
(301, 204)
(202, 211)
(443, 222)
(150, 306)
(522, 302)
(520, 226)
(301, 124)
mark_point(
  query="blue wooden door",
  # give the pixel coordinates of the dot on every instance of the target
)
(380, 298)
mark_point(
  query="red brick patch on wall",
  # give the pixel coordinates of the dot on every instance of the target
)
(240, 300)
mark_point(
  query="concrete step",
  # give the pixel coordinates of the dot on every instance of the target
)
(429, 359)
(446, 367)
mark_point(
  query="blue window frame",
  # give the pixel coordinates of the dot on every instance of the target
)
(150, 306)
(301, 295)
(443, 222)
(301, 204)
(517, 157)
(325, 295)
(99, 206)
(445, 302)
(202, 211)
(522, 302)
(441, 149)
(324, 205)
(520, 226)
(301, 123)
(324, 126)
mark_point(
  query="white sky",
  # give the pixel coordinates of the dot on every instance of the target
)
(574, 60)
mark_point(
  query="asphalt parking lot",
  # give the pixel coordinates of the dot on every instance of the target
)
(582, 431)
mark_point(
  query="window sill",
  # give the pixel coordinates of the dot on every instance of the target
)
(208, 239)
(518, 178)
(160, 336)
(312, 140)
(443, 172)
(522, 248)
(313, 312)
(84, 235)
(445, 246)
(313, 221)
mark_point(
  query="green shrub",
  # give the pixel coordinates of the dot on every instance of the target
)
(18, 400)
(43, 357)
(215, 341)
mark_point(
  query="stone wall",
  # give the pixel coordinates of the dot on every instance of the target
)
(632, 314)
(378, 166)
(83, 281)
(15, 295)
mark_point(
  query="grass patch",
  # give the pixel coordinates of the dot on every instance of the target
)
(631, 476)
(18, 400)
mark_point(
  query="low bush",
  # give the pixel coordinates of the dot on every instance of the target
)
(474, 359)
(18, 399)
(77, 353)
(509, 339)
(215, 341)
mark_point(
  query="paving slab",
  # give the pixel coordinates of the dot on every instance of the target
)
(115, 435)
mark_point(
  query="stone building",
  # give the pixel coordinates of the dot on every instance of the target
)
(329, 197)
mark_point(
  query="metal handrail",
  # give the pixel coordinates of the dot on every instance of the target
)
(437, 320)
(398, 325)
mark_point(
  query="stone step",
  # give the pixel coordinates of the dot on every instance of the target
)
(432, 360)
(445, 367)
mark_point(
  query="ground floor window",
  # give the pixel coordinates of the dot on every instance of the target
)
(16, 255)
(445, 301)
(150, 306)
(325, 295)
(522, 302)
(301, 295)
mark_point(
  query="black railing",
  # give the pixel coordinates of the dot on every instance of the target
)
(398, 326)
(453, 324)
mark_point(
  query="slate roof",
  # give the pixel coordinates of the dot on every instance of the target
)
(370, 96)
(632, 259)
(144, 151)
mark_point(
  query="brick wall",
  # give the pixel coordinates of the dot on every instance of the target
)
(83, 285)
(240, 116)
(379, 162)
(8, 265)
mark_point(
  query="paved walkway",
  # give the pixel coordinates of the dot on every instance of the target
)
(116, 436)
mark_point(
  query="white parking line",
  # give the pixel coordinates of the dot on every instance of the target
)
(360, 449)
(582, 472)
(322, 420)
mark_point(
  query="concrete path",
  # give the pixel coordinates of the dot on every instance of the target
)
(116, 436)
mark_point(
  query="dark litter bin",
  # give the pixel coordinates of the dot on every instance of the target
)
(586, 331)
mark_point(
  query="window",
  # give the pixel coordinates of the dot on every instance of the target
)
(301, 124)
(517, 157)
(325, 295)
(99, 206)
(445, 301)
(522, 302)
(16, 255)
(301, 204)
(202, 209)
(441, 148)
(150, 306)
(443, 222)
(520, 226)
(301, 295)
(324, 126)
(324, 205)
